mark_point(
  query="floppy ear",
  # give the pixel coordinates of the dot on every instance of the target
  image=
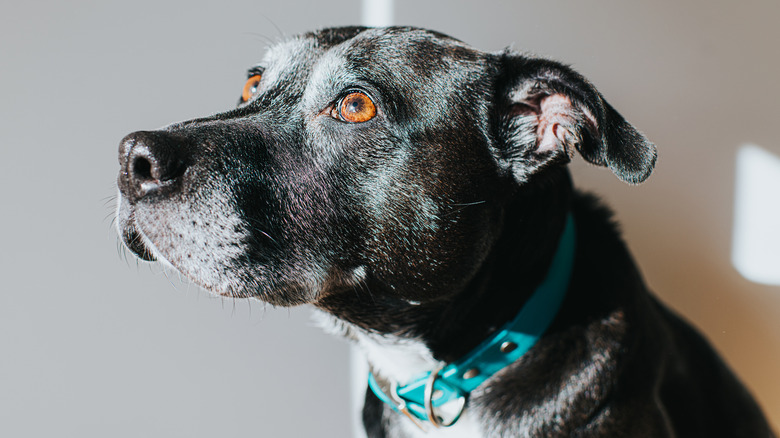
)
(546, 111)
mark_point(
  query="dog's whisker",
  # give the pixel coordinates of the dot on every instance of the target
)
(268, 236)
(109, 201)
(257, 226)
(121, 251)
(110, 216)
(280, 35)
(462, 207)
(468, 204)
(362, 286)
(264, 38)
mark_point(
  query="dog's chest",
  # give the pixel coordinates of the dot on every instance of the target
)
(402, 360)
(466, 427)
(396, 359)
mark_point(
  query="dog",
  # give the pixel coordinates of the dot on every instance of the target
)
(415, 191)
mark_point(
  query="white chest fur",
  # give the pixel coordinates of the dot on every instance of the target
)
(394, 358)
(466, 427)
(401, 360)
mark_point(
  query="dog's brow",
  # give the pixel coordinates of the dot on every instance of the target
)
(256, 70)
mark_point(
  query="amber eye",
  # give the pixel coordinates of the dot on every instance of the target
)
(250, 88)
(356, 107)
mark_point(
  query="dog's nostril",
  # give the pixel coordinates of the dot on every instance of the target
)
(152, 162)
(142, 169)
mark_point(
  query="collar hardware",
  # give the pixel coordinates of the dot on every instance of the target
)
(440, 389)
(431, 394)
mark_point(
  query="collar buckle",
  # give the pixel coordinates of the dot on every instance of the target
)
(428, 397)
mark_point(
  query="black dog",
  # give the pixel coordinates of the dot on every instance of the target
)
(416, 190)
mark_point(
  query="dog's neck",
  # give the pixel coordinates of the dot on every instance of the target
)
(405, 338)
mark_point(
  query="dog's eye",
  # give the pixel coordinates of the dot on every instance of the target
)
(250, 88)
(356, 107)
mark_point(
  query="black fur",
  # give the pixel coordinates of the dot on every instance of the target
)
(433, 221)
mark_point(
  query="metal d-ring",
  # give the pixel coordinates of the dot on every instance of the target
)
(428, 401)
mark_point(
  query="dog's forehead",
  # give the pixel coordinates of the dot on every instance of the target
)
(389, 52)
(300, 53)
(404, 41)
(287, 59)
(371, 42)
(411, 50)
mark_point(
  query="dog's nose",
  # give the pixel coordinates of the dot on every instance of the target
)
(150, 162)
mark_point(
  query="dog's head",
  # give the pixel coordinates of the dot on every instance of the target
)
(361, 155)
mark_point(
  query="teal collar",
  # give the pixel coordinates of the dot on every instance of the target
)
(435, 390)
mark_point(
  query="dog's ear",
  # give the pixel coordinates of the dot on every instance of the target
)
(546, 111)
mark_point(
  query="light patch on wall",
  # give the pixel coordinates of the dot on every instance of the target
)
(377, 13)
(756, 244)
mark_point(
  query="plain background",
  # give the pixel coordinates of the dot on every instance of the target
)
(93, 345)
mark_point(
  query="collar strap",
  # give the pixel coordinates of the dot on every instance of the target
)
(419, 398)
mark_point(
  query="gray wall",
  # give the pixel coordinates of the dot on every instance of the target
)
(92, 345)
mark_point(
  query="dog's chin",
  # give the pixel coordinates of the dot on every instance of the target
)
(229, 281)
(216, 252)
(142, 248)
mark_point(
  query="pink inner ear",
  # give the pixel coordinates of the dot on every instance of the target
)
(557, 124)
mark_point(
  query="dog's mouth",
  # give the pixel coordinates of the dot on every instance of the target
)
(151, 237)
(133, 240)
(209, 250)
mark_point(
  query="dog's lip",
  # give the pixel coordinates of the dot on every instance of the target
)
(133, 239)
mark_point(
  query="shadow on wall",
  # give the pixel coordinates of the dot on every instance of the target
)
(736, 316)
